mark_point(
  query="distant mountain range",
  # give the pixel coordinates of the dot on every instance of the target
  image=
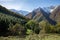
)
(22, 12)
(50, 14)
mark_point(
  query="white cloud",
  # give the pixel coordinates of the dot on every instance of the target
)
(12, 6)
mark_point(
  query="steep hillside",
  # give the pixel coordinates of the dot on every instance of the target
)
(8, 12)
(40, 14)
(55, 14)
(11, 23)
(38, 11)
(36, 14)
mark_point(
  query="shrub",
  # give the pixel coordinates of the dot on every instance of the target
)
(34, 26)
(52, 28)
(58, 28)
(29, 31)
(17, 29)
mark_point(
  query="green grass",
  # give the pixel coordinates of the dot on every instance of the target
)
(34, 37)
(11, 38)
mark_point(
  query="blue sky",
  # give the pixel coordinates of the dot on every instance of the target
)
(28, 5)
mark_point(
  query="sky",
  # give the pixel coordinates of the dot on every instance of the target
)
(28, 5)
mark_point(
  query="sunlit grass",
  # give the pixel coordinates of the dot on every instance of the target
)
(44, 37)
(34, 37)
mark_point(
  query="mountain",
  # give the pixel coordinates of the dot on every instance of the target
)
(9, 19)
(13, 10)
(37, 13)
(40, 14)
(22, 12)
(55, 14)
(6, 11)
(48, 9)
(34, 13)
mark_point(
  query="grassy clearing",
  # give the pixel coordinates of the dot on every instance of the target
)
(44, 37)
(11, 38)
(34, 37)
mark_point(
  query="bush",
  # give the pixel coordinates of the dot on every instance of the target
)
(29, 31)
(52, 28)
(58, 28)
(7, 22)
(17, 29)
(34, 26)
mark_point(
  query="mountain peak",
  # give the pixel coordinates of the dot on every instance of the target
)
(38, 9)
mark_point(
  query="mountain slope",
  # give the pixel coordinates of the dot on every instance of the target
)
(49, 9)
(8, 12)
(8, 20)
(34, 14)
(55, 14)
(40, 14)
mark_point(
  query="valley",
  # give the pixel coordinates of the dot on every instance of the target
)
(40, 24)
